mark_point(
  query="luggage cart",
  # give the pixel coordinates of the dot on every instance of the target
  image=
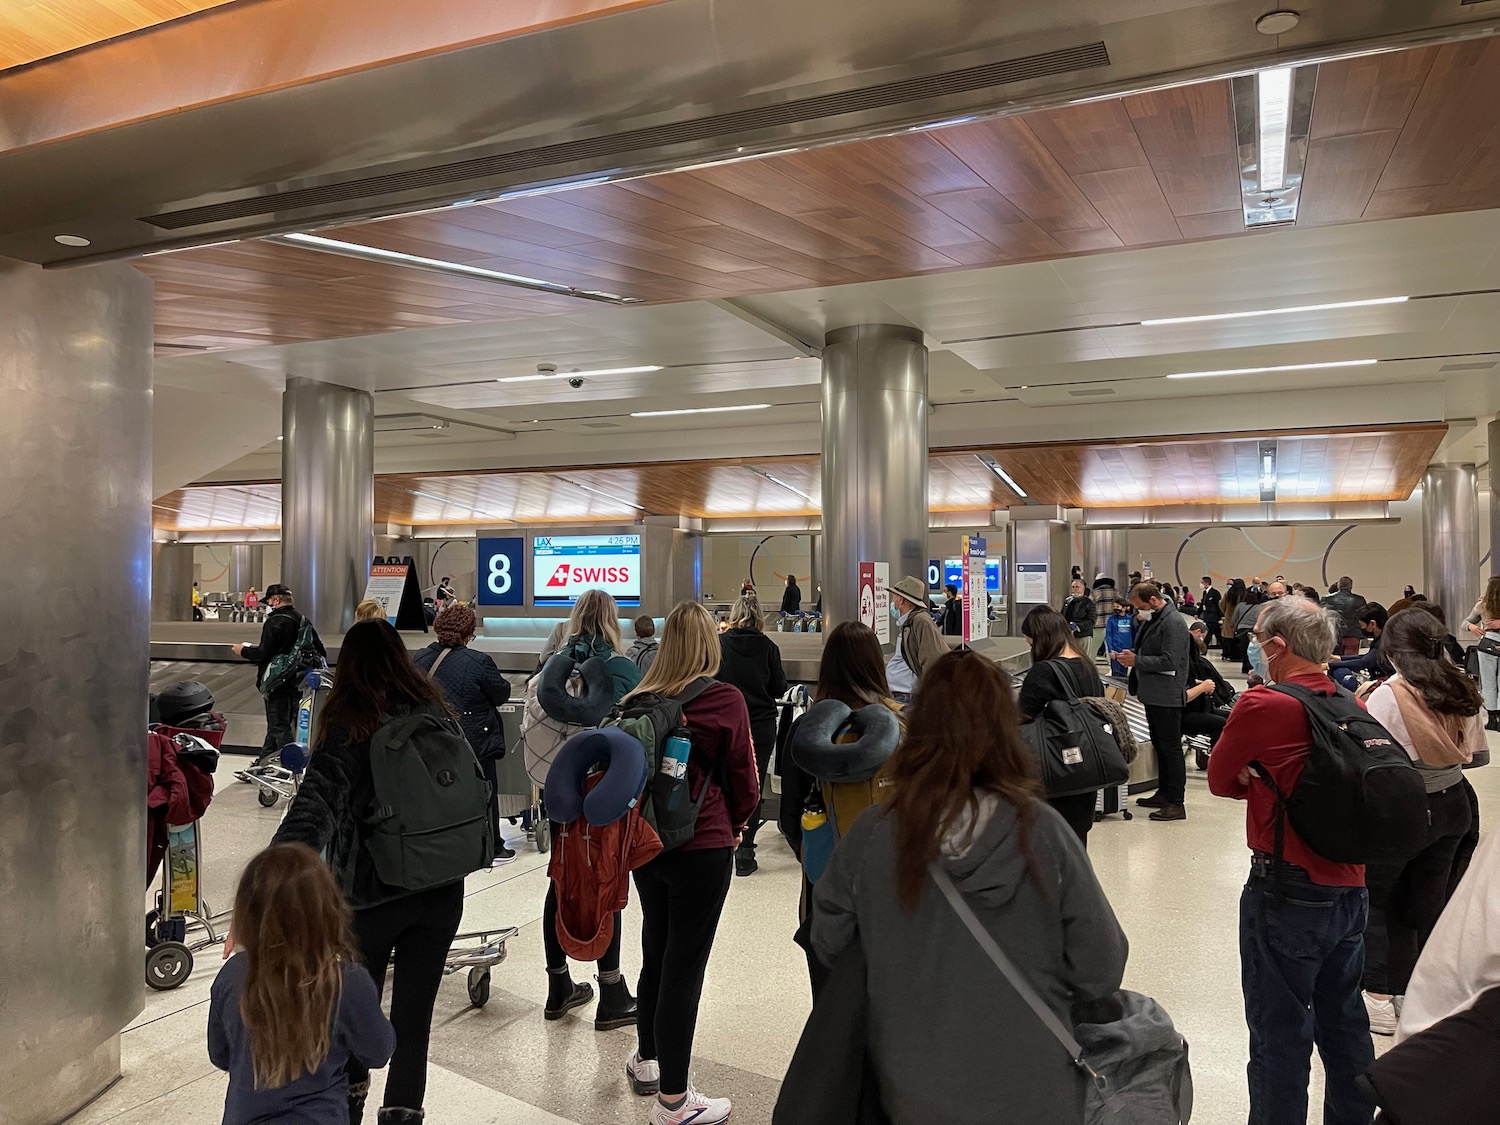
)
(486, 951)
(278, 780)
(182, 922)
(517, 798)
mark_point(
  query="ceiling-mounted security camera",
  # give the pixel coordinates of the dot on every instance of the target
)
(575, 382)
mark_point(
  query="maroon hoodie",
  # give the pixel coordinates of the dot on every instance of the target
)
(722, 749)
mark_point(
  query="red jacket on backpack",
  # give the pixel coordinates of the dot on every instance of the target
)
(174, 795)
(590, 867)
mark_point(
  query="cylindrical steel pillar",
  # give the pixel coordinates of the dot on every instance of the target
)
(327, 498)
(1494, 436)
(1450, 538)
(75, 455)
(1105, 551)
(171, 582)
(247, 568)
(874, 459)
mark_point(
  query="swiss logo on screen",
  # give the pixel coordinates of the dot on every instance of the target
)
(560, 576)
(570, 572)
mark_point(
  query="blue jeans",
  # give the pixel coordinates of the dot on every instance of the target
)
(1302, 952)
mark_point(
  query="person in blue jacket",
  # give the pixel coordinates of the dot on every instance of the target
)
(1345, 672)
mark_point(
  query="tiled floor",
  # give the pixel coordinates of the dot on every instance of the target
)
(1174, 886)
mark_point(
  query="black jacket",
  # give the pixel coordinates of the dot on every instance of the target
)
(1080, 613)
(791, 599)
(331, 808)
(751, 661)
(1347, 604)
(1212, 605)
(1163, 656)
(278, 634)
(1044, 682)
(473, 687)
(953, 617)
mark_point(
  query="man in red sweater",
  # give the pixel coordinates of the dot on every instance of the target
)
(1302, 944)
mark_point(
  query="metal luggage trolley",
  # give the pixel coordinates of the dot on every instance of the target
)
(486, 951)
(518, 799)
(182, 921)
(279, 780)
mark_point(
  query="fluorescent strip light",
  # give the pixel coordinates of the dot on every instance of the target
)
(698, 410)
(579, 374)
(778, 481)
(438, 265)
(600, 492)
(1274, 91)
(1272, 370)
(1275, 312)
(994, 466)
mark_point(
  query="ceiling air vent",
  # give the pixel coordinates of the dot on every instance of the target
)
(601, 425)
(1490, 366)
(1092, 392)
(509, 167)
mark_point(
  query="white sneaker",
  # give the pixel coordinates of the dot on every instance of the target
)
(644, 1074)
(696, 1110)
(1383, 1015)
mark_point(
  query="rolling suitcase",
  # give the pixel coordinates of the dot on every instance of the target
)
(1113, 800)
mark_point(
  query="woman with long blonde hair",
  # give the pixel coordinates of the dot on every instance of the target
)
(682, 891)
(294, 1005)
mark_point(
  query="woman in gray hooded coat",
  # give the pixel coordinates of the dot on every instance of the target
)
(950, 1039)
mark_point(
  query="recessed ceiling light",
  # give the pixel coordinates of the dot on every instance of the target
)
(580, 374)
(1277, 23)
(1275, 312)
(1273, 370)
(438, 265)
(1274, 91)
(994, 466)
(71, 240)
(698, 410)
(967, 391)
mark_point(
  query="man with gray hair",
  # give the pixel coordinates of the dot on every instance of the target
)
(1302, 943)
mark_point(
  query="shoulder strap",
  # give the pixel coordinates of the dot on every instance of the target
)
(694, 690)
(1008, 970)
(438, 663)
(1065, 677)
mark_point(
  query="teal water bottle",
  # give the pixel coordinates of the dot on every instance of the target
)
(674, 754)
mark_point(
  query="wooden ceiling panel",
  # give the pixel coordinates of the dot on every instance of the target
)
(1393, 135)
(1384, 464)
(40, 29)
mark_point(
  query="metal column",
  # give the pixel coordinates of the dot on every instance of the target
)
(75, 446)
(1494, 436)
(247, 568)
(171, 582)
(327, 498)
(1450, 538)
(874, 459)
(1105, 552)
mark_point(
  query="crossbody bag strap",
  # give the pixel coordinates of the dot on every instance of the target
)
(438, 663)
(1009, 971)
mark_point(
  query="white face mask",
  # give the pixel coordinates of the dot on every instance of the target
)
(896, 611)
(1144, 614)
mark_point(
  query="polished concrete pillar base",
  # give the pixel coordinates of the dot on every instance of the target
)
(66, 1092)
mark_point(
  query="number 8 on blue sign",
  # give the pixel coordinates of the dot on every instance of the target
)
(500, 568)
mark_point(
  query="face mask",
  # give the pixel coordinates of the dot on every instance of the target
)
(895, 611)
(1144, 614)
(1257, 657)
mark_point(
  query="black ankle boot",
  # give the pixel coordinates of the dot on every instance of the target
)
(358, 1092)
(616, 1007)
(1494, 723)
(396, 1115)
(563, 995)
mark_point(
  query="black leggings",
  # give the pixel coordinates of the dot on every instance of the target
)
(1078, 811)
(1469, 843)
(557, 960)
(763, 735)
(1406, 899)
(418, 929)
(682, 895)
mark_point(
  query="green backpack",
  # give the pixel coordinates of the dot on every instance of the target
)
(430, 822)
(287, 669)
(668, 803)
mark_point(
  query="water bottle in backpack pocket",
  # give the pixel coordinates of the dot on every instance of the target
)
(669, 804)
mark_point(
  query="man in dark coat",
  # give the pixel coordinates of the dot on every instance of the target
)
(278, 635)
(1159, 666)
(1211, 603)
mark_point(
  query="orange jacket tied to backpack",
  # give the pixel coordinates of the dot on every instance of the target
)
(590, 868)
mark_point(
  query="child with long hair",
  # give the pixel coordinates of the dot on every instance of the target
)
(294, 1005)
(950, 1039)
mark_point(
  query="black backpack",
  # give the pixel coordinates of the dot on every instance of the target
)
(1074, 743)
(668, 803)
(1360, 798)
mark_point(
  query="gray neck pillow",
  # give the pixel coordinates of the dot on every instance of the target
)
(586, 710)
(877, 733)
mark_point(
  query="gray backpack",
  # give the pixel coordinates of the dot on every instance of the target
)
(430, 822)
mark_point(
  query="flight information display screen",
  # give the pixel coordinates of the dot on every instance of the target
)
(564, 566)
